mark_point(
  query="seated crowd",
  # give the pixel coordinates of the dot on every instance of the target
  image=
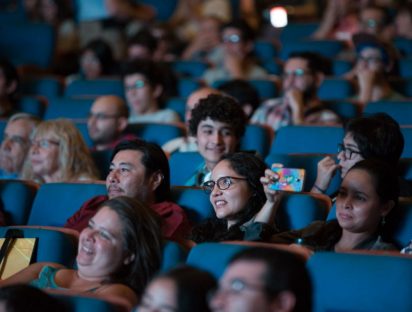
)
(122, 234)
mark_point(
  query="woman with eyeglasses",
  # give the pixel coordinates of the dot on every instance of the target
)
(244, 205)
(58, 153)
(377, 136)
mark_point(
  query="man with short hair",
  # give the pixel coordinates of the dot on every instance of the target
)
(107, 122)
(16, 144)
(140, 170)
(302, 75)
(264, 280)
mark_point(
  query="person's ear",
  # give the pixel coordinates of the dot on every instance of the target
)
(156, 180)
(157, 91)
(319, 77)
(11, 87)
(129, 259)
(121, 124)
(285, 301)
(387, 207)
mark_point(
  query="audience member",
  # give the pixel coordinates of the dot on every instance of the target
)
(265, 280)
(377, 136)
(96, 60)
(22, 298)
(139, 170)
(58, 153)
(16, 144)
(181, 289)
(368, 193)
(107, 122)
(375, 64)
(375, 20)
(118, 253)
(9, 83)
(144, 89)
(403, 21)
(237, 63)
(218, 123)
(188, 143)
(244, 93)
(302, 75)
(243, 203)
(205, 46)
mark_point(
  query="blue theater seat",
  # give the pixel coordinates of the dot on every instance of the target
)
(52, 246)
(70, 108)
(182, 166)
(307, 139)
(158, 133)
(335, 89)
(95, 87)
(401, 111)
(360, 282)
(17, 197)
(56, 202)
(257, 138)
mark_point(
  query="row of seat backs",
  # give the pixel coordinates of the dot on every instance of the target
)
(341, 281)
(53, 203)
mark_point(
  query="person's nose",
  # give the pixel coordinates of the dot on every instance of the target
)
(112, 176)
(217, 138)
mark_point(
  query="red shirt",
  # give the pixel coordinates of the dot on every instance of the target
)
(175, 225)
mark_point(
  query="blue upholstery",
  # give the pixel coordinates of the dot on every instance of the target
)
(81, 125)
(86, 304)
(3, 124)
(49, 86)
(340, 67)
(298, 210)
(16, 200)
(405, 67)
(265, 50)
(182, 166)
(256, 138)
(56, 202)
(266, 88)
(178, 104)
(68, 108)
(173, 254)
(297, 31)
(309, 162)
(404, 46)
(407, 149)
(194, 69)
(360, 282)
(186, 86)
(213, 257)
(52, 246)
(31, 105)
(95, 87)
(27, 43)
(401, 111)
(335, 89)
(328, 48)
(164, 9)
(102, 161)
(159, 133)
(307, 139)
(399, 223)
(345, 109)
(194, 201)
(405, 168)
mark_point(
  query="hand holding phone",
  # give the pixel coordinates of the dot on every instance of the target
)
(289, 179)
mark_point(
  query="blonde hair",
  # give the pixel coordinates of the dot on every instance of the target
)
(75, 161)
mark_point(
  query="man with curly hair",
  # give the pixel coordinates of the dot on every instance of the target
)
(218, 123)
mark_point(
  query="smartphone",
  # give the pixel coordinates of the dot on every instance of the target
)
(290, 179)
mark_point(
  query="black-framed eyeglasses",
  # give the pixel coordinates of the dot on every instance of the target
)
(102, 116)
(370, 59)
(138, 84)
(234, 38)
(222, 183)
(347, 152)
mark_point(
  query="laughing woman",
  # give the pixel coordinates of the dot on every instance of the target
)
(114, 260)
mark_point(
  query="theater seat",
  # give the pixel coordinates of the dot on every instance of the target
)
(158, 133)
(95, 87)
(173, 255)
(182, 166)
(77, 109)
(401, 111)
(360, 282)
(52, 246)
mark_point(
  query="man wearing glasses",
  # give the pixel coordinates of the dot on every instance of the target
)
(303, 73)
(107, 121)
(265, 280)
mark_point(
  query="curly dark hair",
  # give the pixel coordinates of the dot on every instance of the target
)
(220, 108)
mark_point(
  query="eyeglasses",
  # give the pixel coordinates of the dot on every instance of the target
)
(102, 116)
(44, 143)
(347, 152)
(235, 287)
(232, 38)
(370, 59)
(15, 139)
(222, 183)
(298, 72)
(138, 84)
(371, 23)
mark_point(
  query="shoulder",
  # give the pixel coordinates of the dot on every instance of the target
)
(118, 294)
